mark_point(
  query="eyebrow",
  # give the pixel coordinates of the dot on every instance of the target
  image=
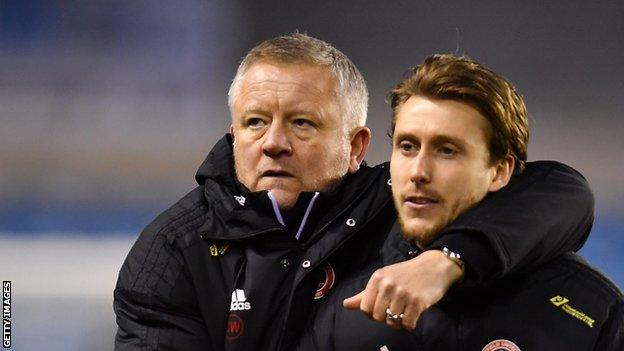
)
(294, 112)
(442, 139)
(436, 140)
(307, 112)
(257, 111)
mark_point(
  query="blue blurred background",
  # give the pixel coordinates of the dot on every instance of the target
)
(108, 107)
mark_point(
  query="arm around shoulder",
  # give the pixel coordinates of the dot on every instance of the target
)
(545, 211)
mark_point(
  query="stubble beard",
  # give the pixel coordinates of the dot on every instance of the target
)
(335, 171)
(425, 236)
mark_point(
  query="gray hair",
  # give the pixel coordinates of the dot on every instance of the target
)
(299, 47)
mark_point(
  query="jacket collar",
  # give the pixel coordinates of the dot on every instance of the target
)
(219, 165)
(236, 213)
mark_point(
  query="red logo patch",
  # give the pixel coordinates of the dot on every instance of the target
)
(501, 345)
(235, 327)
(325, 286)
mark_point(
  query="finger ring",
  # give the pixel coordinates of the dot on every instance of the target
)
(393, 317)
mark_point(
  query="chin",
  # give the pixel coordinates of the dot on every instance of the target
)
(285, 199)
(419, 230)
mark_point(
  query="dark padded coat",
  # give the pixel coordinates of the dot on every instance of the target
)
(220, 270)
(564, 304)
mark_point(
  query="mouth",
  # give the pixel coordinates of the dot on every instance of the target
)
(420, 201)
(276, 174)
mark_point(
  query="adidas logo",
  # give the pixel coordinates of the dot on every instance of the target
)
(239, 301)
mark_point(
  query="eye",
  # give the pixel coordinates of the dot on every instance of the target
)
(447, 150)
(407, 146)
(255, 122)
(302, 122)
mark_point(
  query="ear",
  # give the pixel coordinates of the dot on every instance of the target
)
(232, 134)
(360, 140)
(503, 169)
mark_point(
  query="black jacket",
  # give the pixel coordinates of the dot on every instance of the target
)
(219, 271)
(562, 305)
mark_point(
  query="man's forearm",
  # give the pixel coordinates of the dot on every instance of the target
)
(543, 212)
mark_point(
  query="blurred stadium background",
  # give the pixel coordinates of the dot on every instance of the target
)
(108, 107)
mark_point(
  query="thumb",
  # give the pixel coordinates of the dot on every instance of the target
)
(353, 302)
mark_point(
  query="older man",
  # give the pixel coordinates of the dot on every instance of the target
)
(285, 208)
(459, 133)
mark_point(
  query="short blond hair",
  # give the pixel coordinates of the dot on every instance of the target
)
(301, 48)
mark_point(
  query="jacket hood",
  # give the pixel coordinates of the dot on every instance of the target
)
(219, 164)
(238, 212)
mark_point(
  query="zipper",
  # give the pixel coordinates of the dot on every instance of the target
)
(278, 213)
(305, 216)
(345, 238)
(316, 264)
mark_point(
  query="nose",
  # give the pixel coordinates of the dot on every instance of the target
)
(420, 172)
(276, 141)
